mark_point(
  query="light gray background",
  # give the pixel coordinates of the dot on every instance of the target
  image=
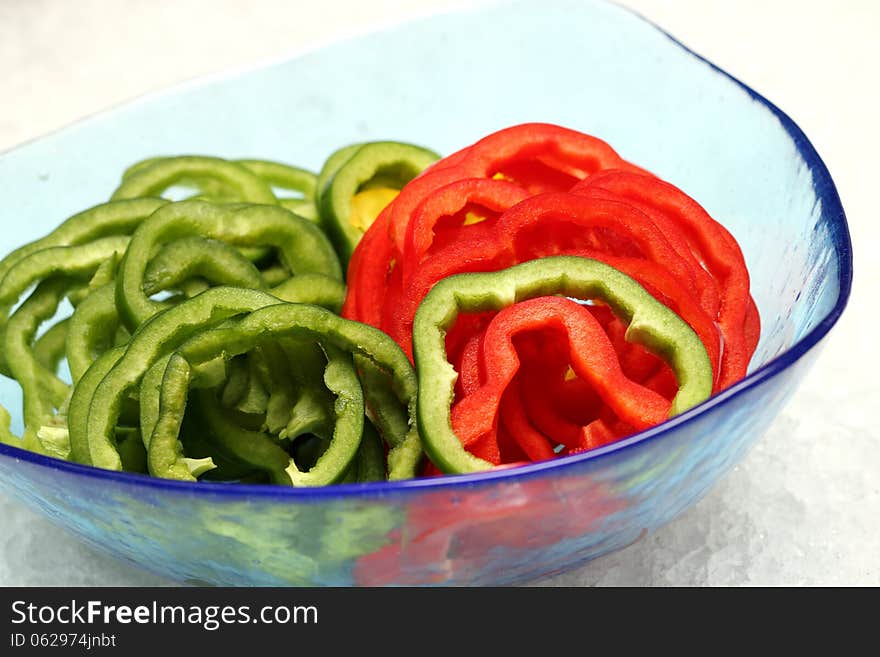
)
(802, 509)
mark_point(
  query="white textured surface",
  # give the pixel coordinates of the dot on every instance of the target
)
(802, 509)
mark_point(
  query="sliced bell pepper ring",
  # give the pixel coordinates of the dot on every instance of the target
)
(463, 344)
(80, 261)
(212, 175)
(515, 422)
(78, 416)
(304, 364)
(572, 399)
(592, 355)
(318, 289)
(540, 157)
(704, 285)
(368, 272)
(455, 201)
(194, 257)
(555, 404)
(662, 382)
(650, 323)
(466, 327)
(484, 447)
(369, 464)
(376, 169)
(77, 262)
(752, 327)
(543, 157)
(95, 326)
(49, 348)
(465, 355)
(478, 255)
(283, 179)
(198, 330)
(565, 431)
(467, 364)
(332, 332)
(383, 406)
(255, 449)
(597, 433)
(416, 191)
(92, 330)
(568, 223)
(548, 392)
(199, 449)
(114, 218)
(255, 398)
(42, 390)
(381, 248)
(303, 247)
(274, 371)
(394, 287)
(174, 374)
(331, 165)
(155, 338)
(565, 406)
(666, 289)
(528, 230)
(636, 362)
(510, 451)
(718, 249)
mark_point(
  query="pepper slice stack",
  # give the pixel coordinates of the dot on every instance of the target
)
(183, 347)
(172, 370)
(528, 296)
(464, 437)
(533, 192)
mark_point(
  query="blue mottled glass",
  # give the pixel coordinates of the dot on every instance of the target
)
(445, 82)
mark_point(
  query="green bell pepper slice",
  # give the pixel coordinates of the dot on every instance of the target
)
(650, 323)
(355, 174)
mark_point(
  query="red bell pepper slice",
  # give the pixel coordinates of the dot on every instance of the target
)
(541, 157)
(515, 422)
(553, 224)
(479, 254)
(540, 402)
(752, 327)
(548, 224)
(441, 217)
(550, 388)
(704, 285)
(485, 446)
(666, 289)
(413, 193)
(718, 250)
(368, 271)
(592, 357)
(538, 157)
(566, 409)
(470, 376)
(451, 160)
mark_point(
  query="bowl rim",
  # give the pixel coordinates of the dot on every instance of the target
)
(827, 194)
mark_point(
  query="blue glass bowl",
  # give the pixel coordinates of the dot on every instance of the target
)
(445, 82)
